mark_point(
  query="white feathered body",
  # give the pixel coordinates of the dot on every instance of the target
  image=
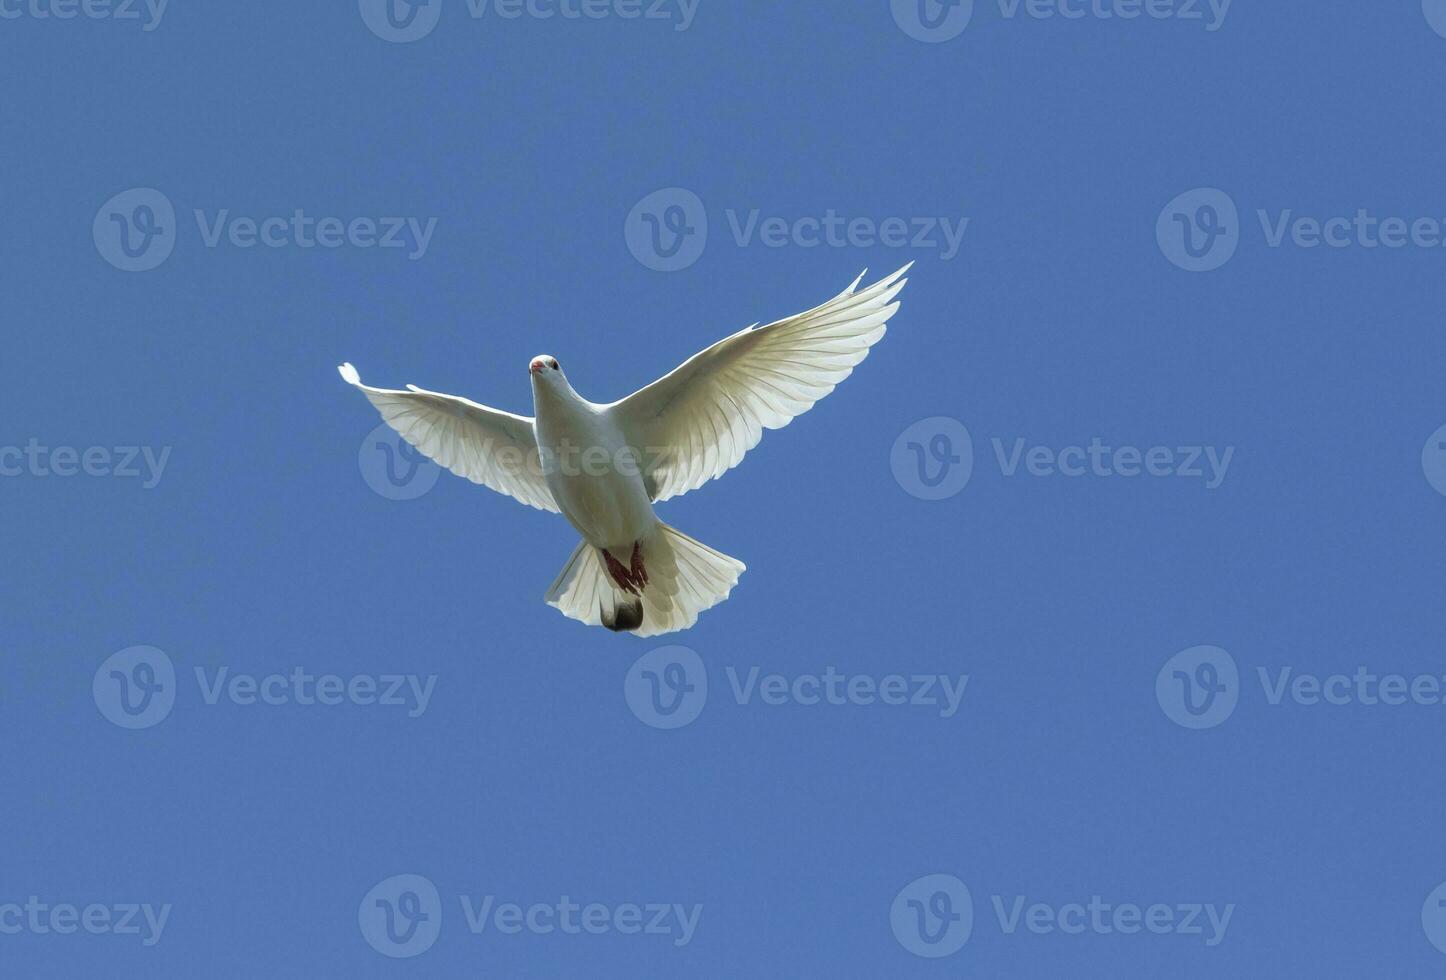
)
(590, 469)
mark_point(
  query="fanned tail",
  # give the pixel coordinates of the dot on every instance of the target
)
(683, 577)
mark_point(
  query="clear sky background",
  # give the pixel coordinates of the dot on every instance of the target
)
(1062, 318)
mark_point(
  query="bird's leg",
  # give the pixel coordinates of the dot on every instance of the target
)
(631, 578)
(640, 572)
(622, 575)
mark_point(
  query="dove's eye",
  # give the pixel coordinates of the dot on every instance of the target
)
(553, 362)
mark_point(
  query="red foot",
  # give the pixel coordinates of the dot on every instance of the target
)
(640, 573)
(630, 579)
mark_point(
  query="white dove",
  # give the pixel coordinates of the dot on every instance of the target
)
(604, 466)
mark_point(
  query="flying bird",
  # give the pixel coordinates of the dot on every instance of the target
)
(603, 467)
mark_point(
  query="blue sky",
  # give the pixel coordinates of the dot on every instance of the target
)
(1092, 628)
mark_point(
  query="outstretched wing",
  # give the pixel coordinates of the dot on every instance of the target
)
(697, 422)
(496, 449)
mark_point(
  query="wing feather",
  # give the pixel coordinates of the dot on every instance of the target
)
(697, 422)
(493, 448)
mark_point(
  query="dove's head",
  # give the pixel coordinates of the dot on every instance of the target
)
(547, 376)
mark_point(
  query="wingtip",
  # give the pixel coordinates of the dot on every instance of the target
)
(348, 373)
(890, 284)
(900, 273)
(883, 283)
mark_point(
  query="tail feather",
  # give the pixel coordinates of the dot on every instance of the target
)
(584, 591)
(685, 577)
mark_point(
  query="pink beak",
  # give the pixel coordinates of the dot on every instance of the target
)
(535, 367)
